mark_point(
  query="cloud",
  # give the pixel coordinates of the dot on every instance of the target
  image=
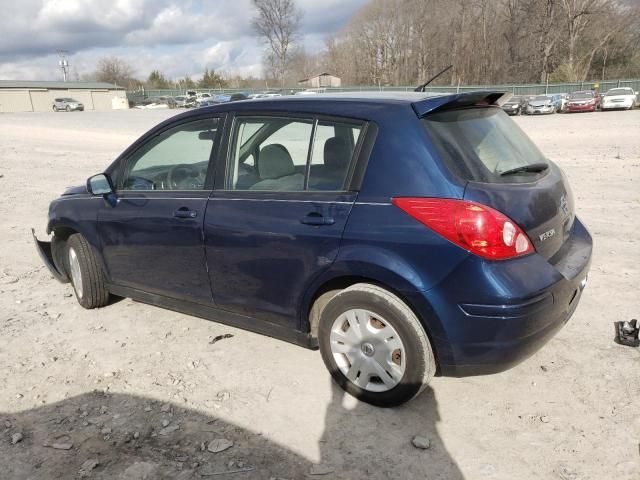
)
(178, 37)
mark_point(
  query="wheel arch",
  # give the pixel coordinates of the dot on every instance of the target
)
(324, 288)
(63, 228)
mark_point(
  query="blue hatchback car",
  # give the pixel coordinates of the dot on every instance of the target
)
(404, 235)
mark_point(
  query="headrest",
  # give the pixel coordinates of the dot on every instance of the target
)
(275, 162)
(337, 154)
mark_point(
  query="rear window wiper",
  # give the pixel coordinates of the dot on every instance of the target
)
(534, 167)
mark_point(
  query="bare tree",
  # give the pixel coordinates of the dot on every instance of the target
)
(115, 70)
(578, 16)
(278, 23)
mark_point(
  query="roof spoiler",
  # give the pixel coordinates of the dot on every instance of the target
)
(460, 100)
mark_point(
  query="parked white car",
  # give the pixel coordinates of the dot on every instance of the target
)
(622, 97)
(203, 98)
(67, 104)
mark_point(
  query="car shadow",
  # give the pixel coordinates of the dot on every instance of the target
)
(363, 441)
(106, 436)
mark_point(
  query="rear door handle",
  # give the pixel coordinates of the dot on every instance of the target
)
(184, 212)
(315, 218)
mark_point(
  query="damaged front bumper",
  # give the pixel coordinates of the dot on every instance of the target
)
(44, 250)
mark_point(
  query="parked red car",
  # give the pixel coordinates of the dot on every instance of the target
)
(586, 101)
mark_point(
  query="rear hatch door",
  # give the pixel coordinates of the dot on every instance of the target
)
(504, 170)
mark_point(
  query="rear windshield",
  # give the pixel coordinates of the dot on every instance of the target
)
(479, 144)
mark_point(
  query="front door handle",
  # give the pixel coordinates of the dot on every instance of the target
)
(315, 218)
(184, 212)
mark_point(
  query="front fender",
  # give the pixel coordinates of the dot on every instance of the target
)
(77, 215)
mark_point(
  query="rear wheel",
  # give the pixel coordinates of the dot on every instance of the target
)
(85, 273)
(374, 346)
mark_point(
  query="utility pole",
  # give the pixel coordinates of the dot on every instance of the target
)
(63, 63)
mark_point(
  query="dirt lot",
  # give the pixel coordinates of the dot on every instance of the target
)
(132, 391)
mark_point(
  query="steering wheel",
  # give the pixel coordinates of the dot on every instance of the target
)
(184, 176)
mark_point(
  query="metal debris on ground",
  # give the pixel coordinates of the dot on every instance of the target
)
(627, 333)
(220, 337)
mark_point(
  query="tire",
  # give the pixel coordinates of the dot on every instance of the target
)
(403, 351)
(55, 109)
(85, 273)
(68, 109)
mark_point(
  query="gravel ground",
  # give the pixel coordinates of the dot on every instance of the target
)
(132, 391)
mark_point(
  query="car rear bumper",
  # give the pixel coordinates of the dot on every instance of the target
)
(494, 315)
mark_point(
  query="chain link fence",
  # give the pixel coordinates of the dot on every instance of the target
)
(516, 89)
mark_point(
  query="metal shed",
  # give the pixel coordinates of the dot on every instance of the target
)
(34, 96)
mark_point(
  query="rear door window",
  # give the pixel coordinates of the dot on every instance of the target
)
(481, 144)
(271, 153)
(333, 148)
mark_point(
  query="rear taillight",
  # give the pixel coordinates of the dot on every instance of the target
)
(474, 227)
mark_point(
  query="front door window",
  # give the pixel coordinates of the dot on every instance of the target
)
(176, 159)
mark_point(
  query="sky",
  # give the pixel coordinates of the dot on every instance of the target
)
(176, 37)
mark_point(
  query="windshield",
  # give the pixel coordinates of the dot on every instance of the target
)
(619, 91)
(541, 98)
(481, 143)
(581, 95)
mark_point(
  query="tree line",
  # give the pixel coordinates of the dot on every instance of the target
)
(117, 71)
(405, 42)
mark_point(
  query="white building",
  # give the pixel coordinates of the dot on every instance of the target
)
(321, 80)
(33, 96)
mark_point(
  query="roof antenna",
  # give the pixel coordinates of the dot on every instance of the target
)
(423, 86)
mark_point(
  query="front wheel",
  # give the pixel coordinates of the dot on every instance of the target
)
(374, 346)
(85, 272)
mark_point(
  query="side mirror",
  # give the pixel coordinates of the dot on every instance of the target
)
(99, 184)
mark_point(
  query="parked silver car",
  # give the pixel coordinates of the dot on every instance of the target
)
(541, 104)
(67, 104)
